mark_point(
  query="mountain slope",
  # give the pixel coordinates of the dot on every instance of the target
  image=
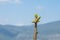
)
(10, 32)
(50, 28)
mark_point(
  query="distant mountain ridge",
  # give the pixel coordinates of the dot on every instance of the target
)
(51, 27)
(10, 32)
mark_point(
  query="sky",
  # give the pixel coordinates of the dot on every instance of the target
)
(21, 12)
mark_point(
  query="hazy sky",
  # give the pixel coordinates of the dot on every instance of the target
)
(21, 12)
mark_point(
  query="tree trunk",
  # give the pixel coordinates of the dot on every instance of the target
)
(35, 32)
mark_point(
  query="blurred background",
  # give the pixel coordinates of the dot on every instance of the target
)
(16, 19)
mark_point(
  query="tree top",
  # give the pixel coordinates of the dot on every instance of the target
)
(37, 17)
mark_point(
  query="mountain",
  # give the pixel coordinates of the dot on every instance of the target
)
(50, 28)
(48, 31)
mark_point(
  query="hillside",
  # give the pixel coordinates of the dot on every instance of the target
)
(48, 31)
